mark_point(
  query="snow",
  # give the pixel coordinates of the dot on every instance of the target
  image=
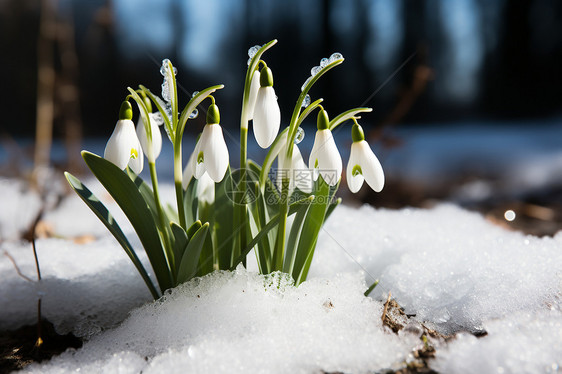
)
(19, 211)
(243, 322)
(451, 268)
(446, 265)
(521, 343)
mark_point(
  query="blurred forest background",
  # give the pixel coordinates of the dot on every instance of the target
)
(461, 59)
(492, 68)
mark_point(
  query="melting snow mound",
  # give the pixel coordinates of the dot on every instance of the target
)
(242, 322)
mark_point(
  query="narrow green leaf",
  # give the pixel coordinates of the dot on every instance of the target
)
(371, 288)
(223, 229)
(191, 201)
(180, 242)
(293, 208)
(291, 249)
(347, 115)
(311, 228)
(190, 259)
(107, 219)
(190, 107)
(127, 196)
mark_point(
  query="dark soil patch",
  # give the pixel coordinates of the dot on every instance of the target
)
(18, 347)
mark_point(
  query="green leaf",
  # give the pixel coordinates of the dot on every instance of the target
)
(371, 288)
(223, 229)
(107, 219)
(127, 196)
(293, 208)
(191, 201)
(180, 241)
(160, 106)
(190, 259)
(347, 115)
(190, 107)
(311, 228)
(291, 249)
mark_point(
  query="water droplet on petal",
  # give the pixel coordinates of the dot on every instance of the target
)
(306, 101)
(305, 83)
(315, 70)
(175, 71)
(194, 93)
(336, 56)
(249, 61)
(300, 135)
(252, 51)
(164, 67)
(324, 62)
(194, 114)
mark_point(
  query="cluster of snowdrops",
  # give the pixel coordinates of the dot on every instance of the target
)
(222, 214)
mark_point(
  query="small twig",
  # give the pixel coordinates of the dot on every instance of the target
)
(35, 254)
(386, 306)
(17, 267)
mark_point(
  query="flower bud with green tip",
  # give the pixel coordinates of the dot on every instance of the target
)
(325, 158)
(267, 115)
(211, 152)
(363, 165)
(123, 147)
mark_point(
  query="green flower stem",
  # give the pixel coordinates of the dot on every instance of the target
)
(167, 243)
(178, 175)
(241, 213)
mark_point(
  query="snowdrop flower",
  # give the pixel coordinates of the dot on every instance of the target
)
(253, 95)
(325, 158)
(363, 164)
(293, 168)
(267, 115)
(151, 149)
(123, 147)
(211, 151)
(205, 185)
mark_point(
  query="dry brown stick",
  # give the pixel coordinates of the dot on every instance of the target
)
(386, 306)
(45, 87)
(17, 267)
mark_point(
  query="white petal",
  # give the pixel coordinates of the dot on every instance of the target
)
(206, 189)
(215, 152)
(371, 167)
(153, 152)
(119, 145)
(267, 117)
(354, 182)
(301, 176)
(198, 168)
(136, 162)
(189, 170)
(254, 86)
(326, 153)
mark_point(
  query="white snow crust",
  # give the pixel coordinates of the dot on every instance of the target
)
(451, 268)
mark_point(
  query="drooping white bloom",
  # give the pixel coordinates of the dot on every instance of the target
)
(123, 147)
(364, 165)
(151, 149)
(206, 189)
(211, 153)
(205, 185)
(325, 158)
(267, 115)
(254, 87)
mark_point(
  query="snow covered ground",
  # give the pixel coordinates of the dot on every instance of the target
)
(451, 268)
